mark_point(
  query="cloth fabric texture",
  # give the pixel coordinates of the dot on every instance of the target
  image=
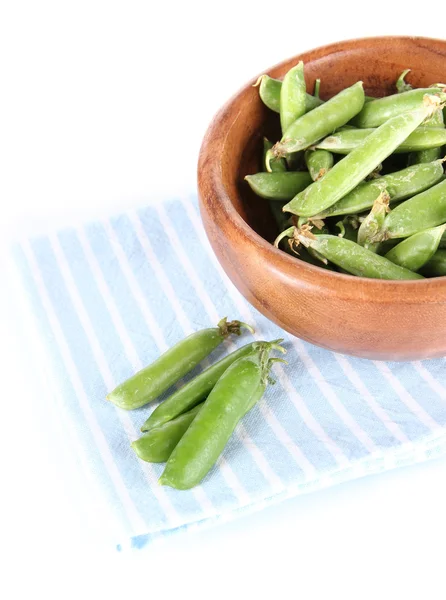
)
(109, 297)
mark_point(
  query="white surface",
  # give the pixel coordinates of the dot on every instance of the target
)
(103, 105)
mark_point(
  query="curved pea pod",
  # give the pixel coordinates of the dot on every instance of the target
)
(378, 111)
(269, 91)
(292, 96)
(208, 434)
(420, 212)
(416, 250)
(399, 185)
(149, 383)
(318, 162)
(354, 168)
(194, 391)
(423, 138)
(278, 186)
(354, 258)
(321, 121)
(158, 444)
(436, 267)
(270, 162)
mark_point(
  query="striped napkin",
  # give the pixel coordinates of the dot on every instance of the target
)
(110, 296)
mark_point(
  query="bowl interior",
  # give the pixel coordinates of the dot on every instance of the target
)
(375, 61)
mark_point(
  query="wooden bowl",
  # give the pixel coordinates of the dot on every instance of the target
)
(388, 320)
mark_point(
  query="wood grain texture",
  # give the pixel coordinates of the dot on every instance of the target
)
(404, 320)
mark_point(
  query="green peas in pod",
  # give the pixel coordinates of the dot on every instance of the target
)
(149, 383)
(348, 255)
(269, 91)
(240, 386)
(353, 169)
(415, 251)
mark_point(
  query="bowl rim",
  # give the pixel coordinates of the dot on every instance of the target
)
(209, 167)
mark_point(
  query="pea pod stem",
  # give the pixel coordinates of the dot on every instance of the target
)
(401, 85)
(149, 383)
(270, 163)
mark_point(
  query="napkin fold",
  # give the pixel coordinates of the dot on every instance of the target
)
(109, 297)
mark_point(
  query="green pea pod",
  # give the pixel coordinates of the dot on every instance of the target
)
(401, 85)
(399, 185)
(318, 163)
(424, 156)
(321, 121)
(420, 212)
(278, 186)
(149, 383)
(430, 154)
(292, 96)
(209, 432)
(378, 111)
(269, 91)
(351, 170)
(344, 142)
(436, 267)
(437, 118)
(374, 222)
(317, 88)
(157, 444)
(270, 162)
(416, 250)
(443, 241)
(351, 257)
(194, 391)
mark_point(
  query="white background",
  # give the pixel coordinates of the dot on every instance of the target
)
(103, 105)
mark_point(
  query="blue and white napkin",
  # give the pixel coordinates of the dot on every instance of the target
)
(110, 296)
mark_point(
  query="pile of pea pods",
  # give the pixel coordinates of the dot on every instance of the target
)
(356, 184)
(191, 427)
